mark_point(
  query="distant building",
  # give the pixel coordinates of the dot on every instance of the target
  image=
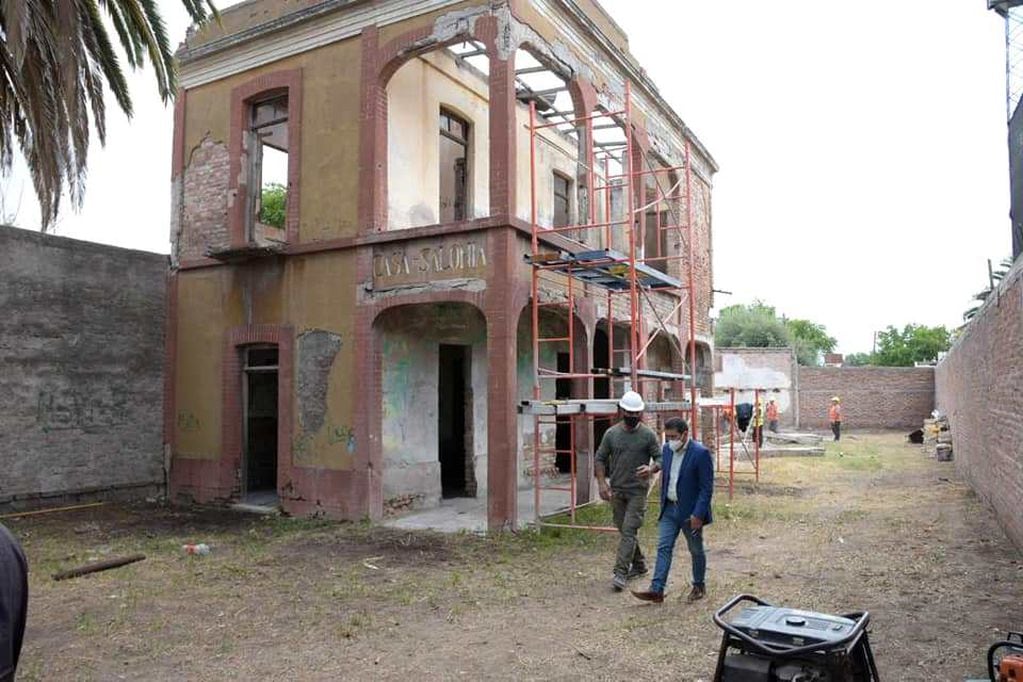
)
(834, 359)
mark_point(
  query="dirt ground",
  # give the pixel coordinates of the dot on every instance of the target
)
(874, 525)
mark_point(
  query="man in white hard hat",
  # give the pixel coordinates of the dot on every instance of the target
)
(623, 467)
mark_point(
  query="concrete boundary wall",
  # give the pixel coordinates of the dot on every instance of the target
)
(81, 386)
(980, 387)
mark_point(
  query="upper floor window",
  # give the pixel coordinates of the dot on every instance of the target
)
(454, 167)
(562, 200)
(268, 145)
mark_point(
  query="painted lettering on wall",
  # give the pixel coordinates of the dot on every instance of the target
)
(63, 409)
(420, 262)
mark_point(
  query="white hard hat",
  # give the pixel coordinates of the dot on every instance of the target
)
(631, 402)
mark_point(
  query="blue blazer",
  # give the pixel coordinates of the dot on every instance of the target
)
(695, 481)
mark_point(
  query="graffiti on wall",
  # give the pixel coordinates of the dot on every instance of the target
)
(188, 422)
(342, 434)
(61, 409)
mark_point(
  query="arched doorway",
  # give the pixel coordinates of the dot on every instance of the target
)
(433, 403)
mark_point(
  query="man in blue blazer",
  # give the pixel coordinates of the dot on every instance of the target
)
(687, 484)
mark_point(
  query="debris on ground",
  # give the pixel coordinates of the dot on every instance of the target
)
(937, 437)
(98, 566)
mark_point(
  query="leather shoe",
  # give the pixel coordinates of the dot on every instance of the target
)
(655, 597)
(696, 594)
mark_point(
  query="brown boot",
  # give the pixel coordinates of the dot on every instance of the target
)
(655, 597)
(698, 592)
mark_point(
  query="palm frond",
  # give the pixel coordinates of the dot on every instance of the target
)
(56, 59)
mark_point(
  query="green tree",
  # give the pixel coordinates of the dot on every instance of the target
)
(914, 343)
(56, 59)
(859, 359)
(754, 326)
(272, 204)
(810, 341)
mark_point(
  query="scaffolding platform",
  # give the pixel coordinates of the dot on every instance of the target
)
(605, 268)
(641, 373)
(601, 407)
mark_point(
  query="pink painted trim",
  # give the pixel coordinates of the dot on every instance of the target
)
(241, 97)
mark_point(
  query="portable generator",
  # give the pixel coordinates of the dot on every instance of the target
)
(765, 643)
(1005, 659)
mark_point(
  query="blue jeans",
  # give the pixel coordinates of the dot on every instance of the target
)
(668, 529)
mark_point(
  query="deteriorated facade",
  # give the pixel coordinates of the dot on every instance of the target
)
(353, 183)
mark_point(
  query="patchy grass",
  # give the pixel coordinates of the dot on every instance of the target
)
(864, 527)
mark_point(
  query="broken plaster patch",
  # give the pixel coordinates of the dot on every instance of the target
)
(317, 349)
(367, 294)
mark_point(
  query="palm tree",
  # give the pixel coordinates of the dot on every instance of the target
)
(55, 59)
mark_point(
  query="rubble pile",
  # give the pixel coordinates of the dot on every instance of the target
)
(937, 438)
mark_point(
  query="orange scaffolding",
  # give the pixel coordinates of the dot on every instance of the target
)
(609, 251)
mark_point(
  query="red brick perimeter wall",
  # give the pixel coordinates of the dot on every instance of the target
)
(872, 397)
(980, 387)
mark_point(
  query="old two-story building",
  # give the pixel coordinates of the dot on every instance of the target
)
(355, 188)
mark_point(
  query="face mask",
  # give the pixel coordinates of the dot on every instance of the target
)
(675, 445)
(631, 422)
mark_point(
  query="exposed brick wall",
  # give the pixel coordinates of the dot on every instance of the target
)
(82, 352)
(204, 222)
(872, 397)
(980, 387)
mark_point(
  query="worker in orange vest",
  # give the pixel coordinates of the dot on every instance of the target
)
(772, 415)
(835, 417)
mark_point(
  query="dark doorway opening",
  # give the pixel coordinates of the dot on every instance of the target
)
(261, 399)
(454, 427)
(563, 430)
(601, 387)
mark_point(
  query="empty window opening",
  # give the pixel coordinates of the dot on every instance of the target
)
(268, 145)
(656, 241)
(260, 400)
(562, 200)
(454, 167)
(454, 427)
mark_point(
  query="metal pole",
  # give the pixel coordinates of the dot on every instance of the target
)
(731, 447)
(760, 433)
(692, 290)
(537, 394)
(631, 226)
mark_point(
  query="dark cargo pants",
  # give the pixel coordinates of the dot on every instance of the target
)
(629, 508)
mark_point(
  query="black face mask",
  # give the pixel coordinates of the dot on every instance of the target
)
(631, 422)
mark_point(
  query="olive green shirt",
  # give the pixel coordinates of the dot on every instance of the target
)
(621, 452)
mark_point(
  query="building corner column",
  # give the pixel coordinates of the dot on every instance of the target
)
(502, 306)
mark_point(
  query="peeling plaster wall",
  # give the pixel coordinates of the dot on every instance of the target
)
(204, 207)
(416, 93)
(317, 349)
(329, 170)
(752, 368)
(410, 339)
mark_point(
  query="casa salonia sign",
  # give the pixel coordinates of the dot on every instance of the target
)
(424, 261)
